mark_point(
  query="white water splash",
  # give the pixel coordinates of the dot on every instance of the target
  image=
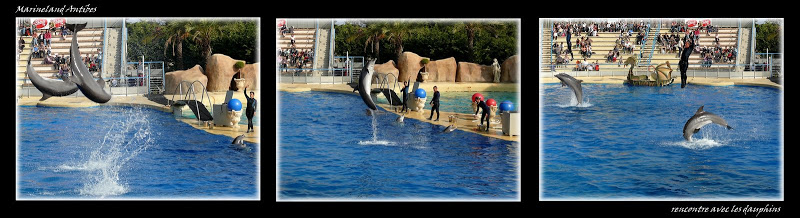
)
(706, 142)
(124, 140)
(573, 102)
(375, 133)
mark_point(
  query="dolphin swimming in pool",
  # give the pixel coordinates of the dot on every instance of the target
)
(365, 82)
(82, 77)
(450, 128)
(700, 119)
(574, 84)
(400, 119)
(239, 140)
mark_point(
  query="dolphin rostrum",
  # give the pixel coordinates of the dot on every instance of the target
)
(50, 88)
(400, 119)
(700, 119)
(450, 128)
(83, 78)
(574, 84)
(365, 82)
(239, 140)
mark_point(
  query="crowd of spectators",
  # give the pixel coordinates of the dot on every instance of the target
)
(293, 58)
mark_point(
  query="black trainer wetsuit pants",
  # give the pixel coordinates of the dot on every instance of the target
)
(485, 115)
(435, 107)
(684, 65)
(250, 114)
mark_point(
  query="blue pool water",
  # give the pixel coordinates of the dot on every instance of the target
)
(627, 143)
(459, 102)
(327, 151)
(127, 152)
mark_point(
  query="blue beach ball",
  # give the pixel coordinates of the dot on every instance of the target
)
(420, 93)
(235, 105)
(506, 106)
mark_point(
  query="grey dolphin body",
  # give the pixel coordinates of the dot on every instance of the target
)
(365, 82)
(700, 119)
(450, 129)
(574, 84)
(50, 88)
(239, 140)
(400, 119)
(83, 78)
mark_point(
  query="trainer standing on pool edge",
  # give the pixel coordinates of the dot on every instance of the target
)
(251, 108)
(435, 103)
(684, 63)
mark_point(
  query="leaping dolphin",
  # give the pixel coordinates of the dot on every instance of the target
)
(700, 119)
(574, 84)
(83, 78)
(50, 88)
(365, 82)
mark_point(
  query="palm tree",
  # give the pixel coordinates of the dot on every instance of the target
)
(175, 32)
(372, 35)
(396, 32)
(471, 28)
(203, 32)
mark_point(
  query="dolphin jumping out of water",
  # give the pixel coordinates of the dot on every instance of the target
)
(83, 78)
(574, 84)
(700, 119)
(239, 140)
(365, 82)
(50, 88)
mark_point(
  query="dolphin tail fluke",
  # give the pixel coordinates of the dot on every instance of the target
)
(729, 127)
(45, 96)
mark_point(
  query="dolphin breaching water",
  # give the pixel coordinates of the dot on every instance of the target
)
(700, 119)
(50, 88)
(82, 79)
(574, 84)
(365, 82)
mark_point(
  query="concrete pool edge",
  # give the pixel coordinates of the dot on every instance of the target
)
(467, 87)
(763, 82)
(141, 101)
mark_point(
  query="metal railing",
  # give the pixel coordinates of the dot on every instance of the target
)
(695, 70)
(194, 96)
(653, 49)
(312, 76)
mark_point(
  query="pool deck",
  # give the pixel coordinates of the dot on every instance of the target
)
(216, 97)
(691, 81)
(465, 122)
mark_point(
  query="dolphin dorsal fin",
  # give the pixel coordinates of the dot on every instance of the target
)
(699, 110)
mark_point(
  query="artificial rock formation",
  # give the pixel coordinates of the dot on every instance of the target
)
(174, 78)
(220, 72)
(510, 70)
(443, 70)
(472, 72)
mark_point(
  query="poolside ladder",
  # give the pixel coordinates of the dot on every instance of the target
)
(185, 97)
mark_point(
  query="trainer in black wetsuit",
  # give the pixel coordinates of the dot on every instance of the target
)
(482, 106)
(251, 108)
(435, 103)
(405, 98)
(684, 63)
